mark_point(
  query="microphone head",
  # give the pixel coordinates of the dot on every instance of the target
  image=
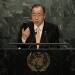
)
(45, 31)
(35, 33)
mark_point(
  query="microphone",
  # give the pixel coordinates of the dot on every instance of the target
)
(47, 38)
(32, 39)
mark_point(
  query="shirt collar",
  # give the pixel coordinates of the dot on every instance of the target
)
(41, 26)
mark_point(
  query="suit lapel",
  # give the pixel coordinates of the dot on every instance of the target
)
(43, 37)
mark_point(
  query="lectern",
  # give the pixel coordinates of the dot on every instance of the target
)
(51, 61)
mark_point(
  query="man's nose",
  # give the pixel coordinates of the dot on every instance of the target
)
(36, 17)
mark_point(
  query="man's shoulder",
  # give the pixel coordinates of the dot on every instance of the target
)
(50, 25)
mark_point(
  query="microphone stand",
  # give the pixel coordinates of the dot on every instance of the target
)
(32, 39)
(47, 39)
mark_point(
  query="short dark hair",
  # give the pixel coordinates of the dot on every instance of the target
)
(38, 5)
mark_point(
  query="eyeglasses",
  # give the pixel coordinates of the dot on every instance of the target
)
(38, 15)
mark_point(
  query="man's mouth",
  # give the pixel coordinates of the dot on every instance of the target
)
(36, 21)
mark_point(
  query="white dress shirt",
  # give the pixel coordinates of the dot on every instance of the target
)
(35, 26)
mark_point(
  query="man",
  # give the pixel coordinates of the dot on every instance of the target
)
(47, 32)
(37, 31)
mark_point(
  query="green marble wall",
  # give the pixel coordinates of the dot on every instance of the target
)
(14, 12)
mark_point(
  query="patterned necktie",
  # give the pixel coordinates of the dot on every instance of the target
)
(38, 36)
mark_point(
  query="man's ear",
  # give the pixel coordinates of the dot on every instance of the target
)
(44, 15)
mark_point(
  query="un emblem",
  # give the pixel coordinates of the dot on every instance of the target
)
(38, 61)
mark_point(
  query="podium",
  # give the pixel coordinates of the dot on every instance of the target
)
(53, 61)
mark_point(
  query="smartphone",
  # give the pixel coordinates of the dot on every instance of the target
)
(25, 26)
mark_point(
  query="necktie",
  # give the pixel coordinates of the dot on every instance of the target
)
(38, 36)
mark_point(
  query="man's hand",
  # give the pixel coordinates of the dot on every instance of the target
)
(25, 33)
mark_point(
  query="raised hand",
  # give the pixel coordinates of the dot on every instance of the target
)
(25, 33)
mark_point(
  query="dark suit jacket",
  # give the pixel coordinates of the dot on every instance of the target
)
(52, 34)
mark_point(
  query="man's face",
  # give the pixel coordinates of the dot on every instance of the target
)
(37, 15)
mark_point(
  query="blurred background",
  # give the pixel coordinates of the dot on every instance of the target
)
(14, 12)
